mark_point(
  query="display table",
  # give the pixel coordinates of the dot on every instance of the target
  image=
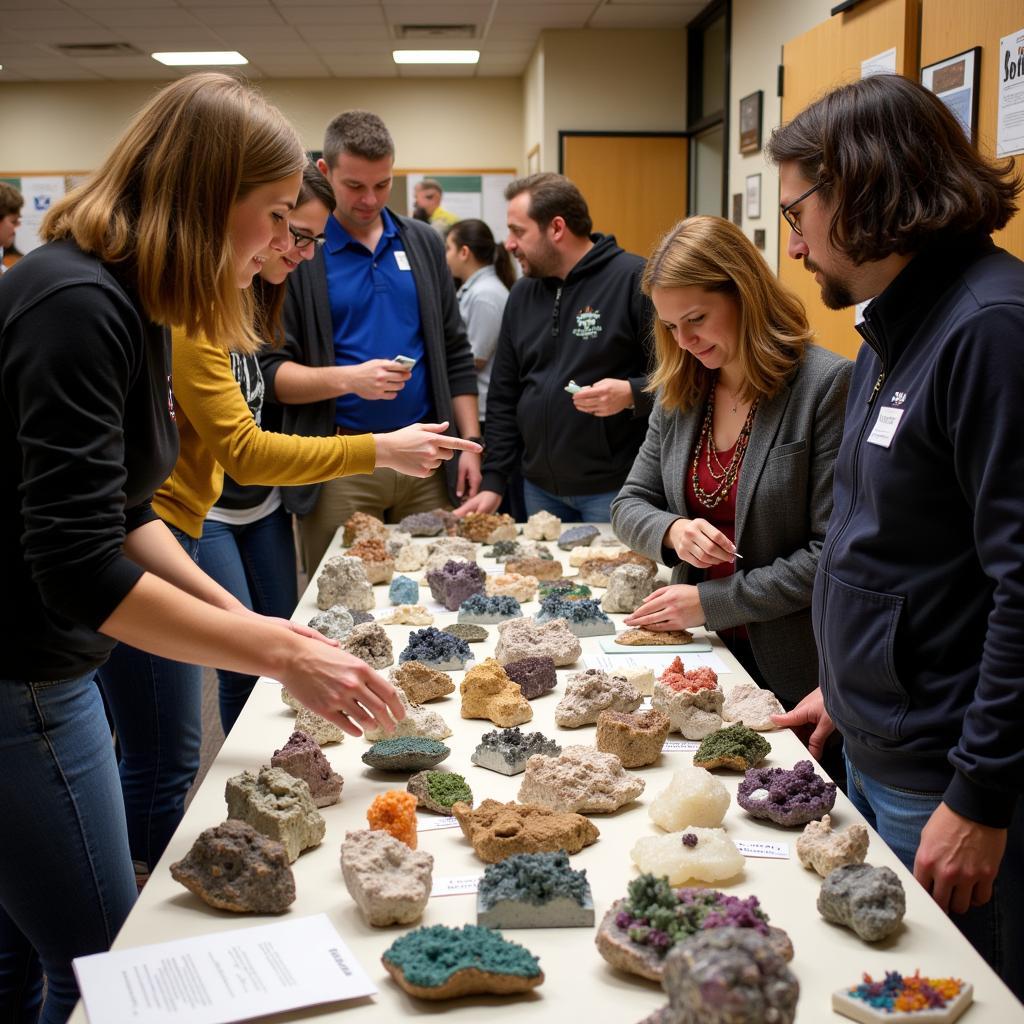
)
(579, 985)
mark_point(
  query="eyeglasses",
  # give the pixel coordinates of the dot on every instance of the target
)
(793, 219)
(305, 241)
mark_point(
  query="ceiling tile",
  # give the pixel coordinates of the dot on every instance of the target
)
(437, 14)
(87, 6)
(55, 70)
(543, 15)
(364, 14)
(144, 17)
(127, 68)
(228, 17)
(637, 16)
(56, 35)
(33, 5)
(20, 20)
(355, 67)
(437, 71)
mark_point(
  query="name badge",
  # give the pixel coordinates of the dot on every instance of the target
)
(402, 260)
(885, 426)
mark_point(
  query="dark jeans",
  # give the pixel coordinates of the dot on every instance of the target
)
(583, 508)
(66, 879)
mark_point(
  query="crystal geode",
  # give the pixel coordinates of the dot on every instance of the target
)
(506, 751)
(436, 649)
(589, 693)
(454, 582)
(704, 854)
(486, 611)
(823, 849)
(583, 617)
(792, 797)
(389, 882)
(524, 638)
(868, 900)
(534, 890)
(487, 692)
(343, 581)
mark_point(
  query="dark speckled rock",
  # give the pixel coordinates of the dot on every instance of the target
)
(578, 537)
(483, 610)
(583, 617)
(786, 797)
(534, 890)
(454, 582)
(408, 754)
(302, 757)
(507, 750)
(535, 676)
(436, 649)
(422, 524)
(467, 631)
(869, 900)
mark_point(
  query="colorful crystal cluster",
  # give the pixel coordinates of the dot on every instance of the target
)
(899, 994)
(677, 678)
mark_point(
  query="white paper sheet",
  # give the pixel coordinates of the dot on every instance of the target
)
(455, 885)
(1010, 124)
(880, 64)
(658, 662)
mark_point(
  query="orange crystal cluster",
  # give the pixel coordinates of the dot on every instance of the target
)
(394, 812)
(677, 678)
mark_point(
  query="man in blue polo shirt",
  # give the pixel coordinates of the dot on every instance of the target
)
(378, 288)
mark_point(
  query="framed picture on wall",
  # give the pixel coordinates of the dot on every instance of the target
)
(753, 196)
(955, 81)
(750, 122)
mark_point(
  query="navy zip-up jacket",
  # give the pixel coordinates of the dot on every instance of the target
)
(919, 598)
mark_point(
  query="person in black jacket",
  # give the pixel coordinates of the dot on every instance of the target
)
(918, 604)
(577, 318)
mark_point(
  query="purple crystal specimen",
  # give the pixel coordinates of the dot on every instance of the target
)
(792, 797)
(454, 582)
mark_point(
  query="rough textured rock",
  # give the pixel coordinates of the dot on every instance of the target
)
(589, 693)
(524, 638)
(540, 568)
(704, 854)
(389, 882)
(480, 526)
(634, 738)
(377, 563)
(362, 526)
(694, 713)
(507, 750)
(498, 830)
(449, 549)
(343, 581)
(467, 631)
(578, 537)
(639, 677)
(420, 682)
(727, 976)
(628, 587)
(749, 704)
(583, 617)
(287, 697)
(595, 572)
(693, 797)
(408, 754)
(397, 539)
(678, 677)
(866, 899)
(408, 615)
(534, 890)
(454, 582)
(792, 797)
(735, 747)
(278, 805)
(654, 638)
(410, 557)
(450, 520)
(302, 757)
(535, 676)
(394, 812)
(580, 779)
(371, 644)
(566, 588)
(824, 849)
(438, 790)
(422, 524)
(447, 963)
(336, 622)
(235, 867)
(599, 549)
(437, 650)
(484, 610)
(511, 584)
(418, 721)
(487, 692)
(404, 590)
(318, 727)
(505, 530)
(503, 550)
(543, 526)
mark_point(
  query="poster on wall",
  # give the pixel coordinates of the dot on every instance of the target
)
(1010, 126)
(955, 81)
(880, 64)
(40, 193)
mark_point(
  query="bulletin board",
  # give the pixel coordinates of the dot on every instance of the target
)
(466, 194)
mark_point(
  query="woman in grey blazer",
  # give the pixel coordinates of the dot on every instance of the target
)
(738, 459)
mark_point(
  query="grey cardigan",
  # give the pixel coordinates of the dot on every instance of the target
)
(783, 503)
(309, 339)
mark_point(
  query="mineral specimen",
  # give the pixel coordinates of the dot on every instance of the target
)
(397, 539)
(589, 693)
(524, 638)
(436, 650)
(654, 638)
(394, 812)
(567, 589)
(867, 899)
(377, 563)
(404, 590)
(487, 692)
(454, 582)
(343, 581)
(422, 524)
(389, 882)
(472, 634)
(421, 683)
(448, 549)
(749, 704)
(450, 520)
(694, 712)
(359, 616)
(540, 568)
(577, 537)
(302, 757)
(693, 797)
(234, 867)
(713, 857)
(496, 830)
(321, 729)
(371, 644)
(596, 571)
(634, 738)
(481, 526)
(335, 623)
(579, 779)
(287, 697)
(599, 549)
(535, 676)
(638, 676)
(901, 999)
(583, 617)
(446, 963)
(534, 890)
(786, 797)
(361, 526)
(628, 587)
(824, 850)
(408, 754)
(507, 750)
(410, 557)
(488, 610)
(511, 584)
(542, 526)
(507, 550)
(408, 615)
(418, 721)
(735, 747)
(278, 805)
(437, 791)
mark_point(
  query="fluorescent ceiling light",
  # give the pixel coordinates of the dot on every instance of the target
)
(197, 57)
(436, 56)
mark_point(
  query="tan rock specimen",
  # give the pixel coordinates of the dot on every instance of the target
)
(373, 553)
(579, 555)
(479, 526)
(448, 549)
(287, 697)
(411, 557)
(589, 693)
(343, 581)
(418, 721)
(694, 713)
(408, 615)
(628, 587)
(511, 584)
(371, 644)
(823, 849)
(322, 730)
(524, 638)
(580, 779)
(596, 571)
(749, 704)
(543, 526)
(654, 638)
(278, 805)
(498, 830)
(362, 526)
(487, 692)
(634, 738)
(389, 882)
(420, 682)
(541, 568)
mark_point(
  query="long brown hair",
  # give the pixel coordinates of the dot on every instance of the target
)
(159, 204)
(713, 254)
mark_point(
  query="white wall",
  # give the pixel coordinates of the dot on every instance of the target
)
(533, 104)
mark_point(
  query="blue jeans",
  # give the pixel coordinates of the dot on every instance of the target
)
(256, 563)
(584, 508)
(996, 930)
(66, 880)
(157, 709)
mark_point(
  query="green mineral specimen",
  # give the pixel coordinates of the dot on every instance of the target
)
(447, 788)
(735, 747)
(533, 878)
(565, 589)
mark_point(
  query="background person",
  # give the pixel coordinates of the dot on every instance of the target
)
(428, 194)
(11, 202)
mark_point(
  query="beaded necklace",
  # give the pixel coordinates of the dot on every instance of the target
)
(726, 475)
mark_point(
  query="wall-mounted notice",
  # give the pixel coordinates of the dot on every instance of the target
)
(880, 64)
(1010, 126)
(40, 193)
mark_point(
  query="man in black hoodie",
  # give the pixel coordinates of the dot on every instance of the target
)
(918, 605)
(566, 403)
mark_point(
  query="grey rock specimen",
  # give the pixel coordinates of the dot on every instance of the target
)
(578, 537)
(580, 779)
(487, 611)
(583, 617)
(595, 572)
(589, 693)
(534, 890)
(792, 797)
(438, 790)
(361, 615)
(507, 750)
(302, 757)
(389, 882)
(467, 631)
(234, 867)
(524, 638)
(636, 738)
(505, 551)
(751, 705)
(866, 899)
(343, 581)
(408, 754)
(542, 526)
(695, 713)
(535, 676)
(418, 721)
(404, 590)
(727, 976)
(422, 524)
(278, 805)
(420, 682)
(824, 849)
(371, 644)
(319, 728)
(437, 650)
(336, 622)
(628, 587)
(397, 539)
(447, 549)
(454, 582)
